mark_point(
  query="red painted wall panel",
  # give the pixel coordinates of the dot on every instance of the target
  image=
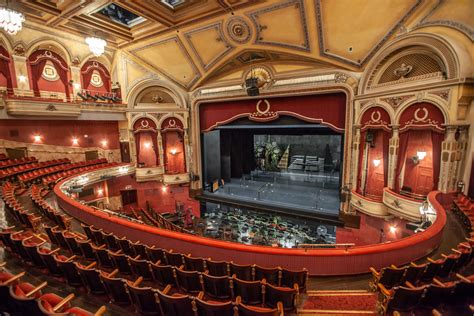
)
(61, 132)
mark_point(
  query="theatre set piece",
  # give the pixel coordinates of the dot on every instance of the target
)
(237, 157)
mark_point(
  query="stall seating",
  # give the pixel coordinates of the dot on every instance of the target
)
(5, 163)
(11, 173)
(463, 207)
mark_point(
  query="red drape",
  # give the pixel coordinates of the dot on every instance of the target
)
(385, 140)
(137, 145)
(437, 140)
(64, 79)
(361, 158)
(155, 148)
(86, 79)
(36, 71)
(402, 151)
(5, 69)
(105, 80)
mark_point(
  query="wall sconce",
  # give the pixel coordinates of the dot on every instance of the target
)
(147, 145)
(420, 155)
(77, 86)
(104, 143)
(22, 78)
(100, 191)
(393, 229)
(376, 162)
(163, 188)
(37, 138)
(460, 186)
(173, 151)
(75, 141)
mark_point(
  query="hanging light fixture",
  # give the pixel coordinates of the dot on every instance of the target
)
(11, 21)
(96, 45)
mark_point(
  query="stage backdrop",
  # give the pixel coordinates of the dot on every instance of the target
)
(326, 109)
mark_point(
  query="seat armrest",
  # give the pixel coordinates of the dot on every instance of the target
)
(14, 278)
(137, 281)
(93, 264)
(167, 289)
(383, 290)
(374, 272)
(113, 273)
(456, 251)
(100, 311)
(54, 251)
(280, 308)
(430, 260)
(64, 301)
(408, 284)
(200, 295)
(37, 289)
(462, 277)
(438, 282)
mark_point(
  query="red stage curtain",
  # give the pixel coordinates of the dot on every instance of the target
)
(5, 69)
(437, 140)
(402, 151)
(385, 142)
(137, 145)
(361, 158)
(86, 79)
(105, 79)
(64, 78)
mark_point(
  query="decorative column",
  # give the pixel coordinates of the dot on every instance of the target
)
(447, 174)
(76, 78)
(161, 153)
(133, 149)
(393, 155)
(186, 148)
(355, 157)
(461, 153)
(22, 77)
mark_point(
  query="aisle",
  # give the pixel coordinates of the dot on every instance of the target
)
(343, 302)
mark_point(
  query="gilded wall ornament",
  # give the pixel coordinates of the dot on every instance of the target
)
(443, 94)
(238, 30)
(19, 50)
(396, 101)
(402, 71)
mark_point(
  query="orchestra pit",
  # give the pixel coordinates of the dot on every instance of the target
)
(236, 157)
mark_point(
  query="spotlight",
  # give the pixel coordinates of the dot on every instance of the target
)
(37, 138)
(376, 162)
(75, 141)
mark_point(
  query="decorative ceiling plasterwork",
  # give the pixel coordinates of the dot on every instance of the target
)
(321, 37)
(256, 17)
(200, 51)
(466, 29)
(238, 30)
(151, 55)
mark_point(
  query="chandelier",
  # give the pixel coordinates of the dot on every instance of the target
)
(11, 21)
(96, 45)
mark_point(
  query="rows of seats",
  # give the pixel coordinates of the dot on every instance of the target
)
(147, 300)
(34, 175)
(5, 163)
(11, 173)
(27, 218)
(464, 208)
(100, 163)
(159, 221)
(37, 194)
(80, 245)
(3, 157)
(23, 298)
(452, 298)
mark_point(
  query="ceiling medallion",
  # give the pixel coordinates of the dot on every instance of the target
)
(96, 45)
(11, 21)
(239, 30)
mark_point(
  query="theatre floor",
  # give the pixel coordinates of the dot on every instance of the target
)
(453, 234)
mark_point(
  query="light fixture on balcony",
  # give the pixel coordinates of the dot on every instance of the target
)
(11, 21)
(376, 162)
(173, 151)
(96, 45)
(147, 145)
(75, 141)
(37, 138)
(420, 155)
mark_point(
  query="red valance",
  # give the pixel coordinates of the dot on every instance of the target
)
(326, 109)
(172, 123)
(144, 124)
(422, 115)
(375, 117)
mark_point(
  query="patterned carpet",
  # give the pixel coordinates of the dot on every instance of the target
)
(356, 302)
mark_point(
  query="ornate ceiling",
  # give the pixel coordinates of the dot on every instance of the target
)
(193, 42)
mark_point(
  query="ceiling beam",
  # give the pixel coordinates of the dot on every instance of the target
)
(100, 26)
(41, 7)
(74, 9)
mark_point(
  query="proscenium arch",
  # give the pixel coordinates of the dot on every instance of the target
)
(173, 91)
(434, 43)
(53, 42)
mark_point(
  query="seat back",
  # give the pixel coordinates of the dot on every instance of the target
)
(216, 287)
(217, 268)
(391, 276)
(431, 270)
(139, 249)
(91, 279)
(174, 259)
(116, 289)
(140, 268)
(289, 278)
(271, 275)
(286, 296)
(70, 273)
(249, 291)
(111, 241)
(175, 305)
(163, 274)
(155, 254)
(448, 265)
(405, 299)
(204, 308)
(413, 273)
(102, 256)
(86, 249)
(125, 245)
(97, 236)
(245, 310)
(49, 261)
(189, 281)
(435, 295)
(243, 272)
(120, 262)
(194, 264)
(143, 299)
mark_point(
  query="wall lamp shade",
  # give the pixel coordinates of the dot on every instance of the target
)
(376, 162)
(421, 155)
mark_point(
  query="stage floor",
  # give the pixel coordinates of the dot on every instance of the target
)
(315, 192)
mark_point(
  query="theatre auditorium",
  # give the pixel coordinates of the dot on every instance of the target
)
(236, 157)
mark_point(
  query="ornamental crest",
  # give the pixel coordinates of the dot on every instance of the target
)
(263, 111)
